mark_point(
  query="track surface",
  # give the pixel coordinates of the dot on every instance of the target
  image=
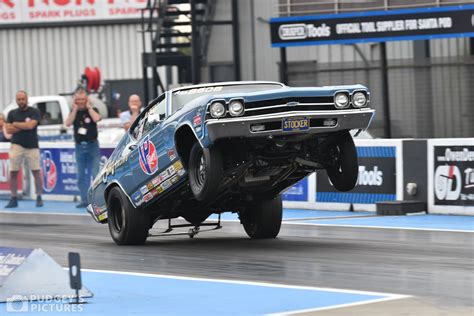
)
(435, 266)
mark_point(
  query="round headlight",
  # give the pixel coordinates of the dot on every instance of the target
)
(341, 100)
(217, 109)
(359, 99)
(236, 108)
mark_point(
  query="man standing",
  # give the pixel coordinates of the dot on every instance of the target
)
(128, 117)
(84, 119)
(22, 124)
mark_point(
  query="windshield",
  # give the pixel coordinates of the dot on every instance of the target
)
(181, 97)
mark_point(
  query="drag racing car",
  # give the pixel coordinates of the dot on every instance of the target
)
(227, 147)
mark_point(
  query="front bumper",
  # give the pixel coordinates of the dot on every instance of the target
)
(240, 126)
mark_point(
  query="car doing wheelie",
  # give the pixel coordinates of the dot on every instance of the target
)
(227, 147)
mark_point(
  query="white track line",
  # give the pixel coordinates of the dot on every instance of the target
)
(266, 284)
(384, 227)
(43, 213)
(317, 309)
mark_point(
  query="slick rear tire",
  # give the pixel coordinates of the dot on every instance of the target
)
(263, 218)
(205, 172)
(127, 225)
(344, 171)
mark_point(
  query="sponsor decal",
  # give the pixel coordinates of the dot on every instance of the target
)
(178, 165)
(171, 154)
(87, 120)
(148, 197)
(148, 156)
(144, 189)
(156, 181)
(197, 120)
(453, 181)
(140, 202)
(181, 172)
(50, 172)
(174, 179)
(159, 189)
(136, 196)
(150, 186)
(166, 184)
(199, 90)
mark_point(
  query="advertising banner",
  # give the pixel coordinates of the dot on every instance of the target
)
(451, 176)
(64, 11)
(5, 171)
(374, 26)
(59, 170)
(298, 192)
(10, 259)
(376, 181)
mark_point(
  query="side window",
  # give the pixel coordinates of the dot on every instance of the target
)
(150, 119)
(50, 113)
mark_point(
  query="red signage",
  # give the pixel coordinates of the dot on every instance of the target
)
(5, 174)
(44, 11)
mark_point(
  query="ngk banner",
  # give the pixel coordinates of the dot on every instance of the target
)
(375, 26)
(53, 11)
(376, 181)
(451, 175)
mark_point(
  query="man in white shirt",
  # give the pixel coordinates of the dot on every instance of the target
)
(135, 107)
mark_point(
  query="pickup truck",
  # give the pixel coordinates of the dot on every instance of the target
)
(54, 111)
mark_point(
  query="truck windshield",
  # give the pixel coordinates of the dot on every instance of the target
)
(183, 96)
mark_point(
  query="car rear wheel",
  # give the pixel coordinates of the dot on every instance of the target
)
(127, 225)
(263, 218)
(205, 172)
(344, 170)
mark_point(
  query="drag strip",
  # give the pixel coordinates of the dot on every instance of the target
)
(435, 266)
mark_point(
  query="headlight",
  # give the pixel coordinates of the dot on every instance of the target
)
(341, 100)
(217, 109)
(359, 99)
(236, 108)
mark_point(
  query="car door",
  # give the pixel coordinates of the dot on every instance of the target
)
(146, 156)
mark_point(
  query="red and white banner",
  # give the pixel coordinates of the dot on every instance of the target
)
(5, 173)
(53, 11)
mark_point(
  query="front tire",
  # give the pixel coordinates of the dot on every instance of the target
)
(127, 225)
(263, 218)
(344, 171)
(205, 172)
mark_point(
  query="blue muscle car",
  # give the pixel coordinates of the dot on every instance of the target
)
(227, 147)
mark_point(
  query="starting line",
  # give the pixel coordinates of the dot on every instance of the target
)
(150, 294)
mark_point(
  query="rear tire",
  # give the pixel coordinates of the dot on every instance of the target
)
(205, 172)
(344, 172)
(127, 225)
(263, 218)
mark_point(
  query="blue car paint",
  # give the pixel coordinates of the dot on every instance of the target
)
(130, 177)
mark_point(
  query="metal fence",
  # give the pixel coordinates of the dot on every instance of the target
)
(428, 98)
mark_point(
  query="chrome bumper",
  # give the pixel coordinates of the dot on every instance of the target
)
(240, 127)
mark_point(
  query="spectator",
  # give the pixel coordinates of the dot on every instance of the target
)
(4, 136)
(135, 107)
(84, 119)
(22, 124)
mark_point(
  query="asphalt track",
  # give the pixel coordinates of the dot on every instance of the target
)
(435, 268)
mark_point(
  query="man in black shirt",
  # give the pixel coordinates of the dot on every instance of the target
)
(84, 119)
(22, 123)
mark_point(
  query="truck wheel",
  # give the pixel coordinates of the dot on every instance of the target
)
(345, 168)
(127, 225)
(263, 218)
(205, 172)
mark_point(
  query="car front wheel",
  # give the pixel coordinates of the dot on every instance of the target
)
(205, 172)
(344, 169)
(127, 225)
(263, 218)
